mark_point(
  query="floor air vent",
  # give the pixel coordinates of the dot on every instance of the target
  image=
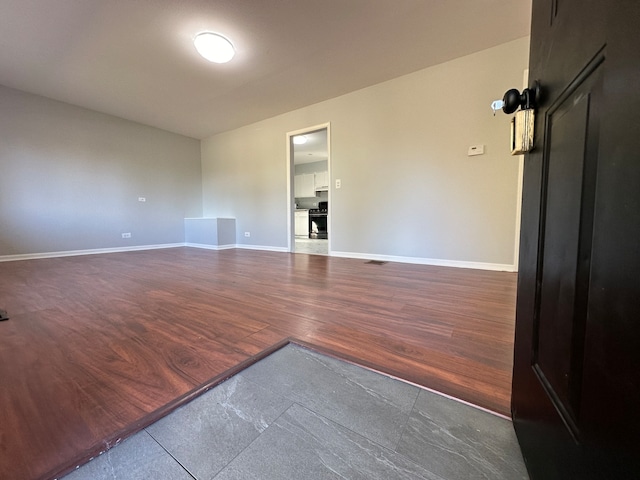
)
(376, 262)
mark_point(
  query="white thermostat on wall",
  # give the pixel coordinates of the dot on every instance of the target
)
(475, 150)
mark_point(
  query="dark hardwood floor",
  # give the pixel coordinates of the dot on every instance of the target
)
(99, 346)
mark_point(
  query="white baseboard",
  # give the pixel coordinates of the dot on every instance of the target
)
(365, 256)
(209, 247)
(94, 251)
(263, 247)
(499, 267)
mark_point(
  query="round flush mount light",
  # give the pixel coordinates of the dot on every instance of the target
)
(299, 140)
(214, 47)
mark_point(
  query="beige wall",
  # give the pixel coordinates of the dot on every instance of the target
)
(70, 179)
(409, 190)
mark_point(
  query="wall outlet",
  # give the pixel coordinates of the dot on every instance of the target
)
(142, 199)
(338, 183)
(126, 235)
(247, 234)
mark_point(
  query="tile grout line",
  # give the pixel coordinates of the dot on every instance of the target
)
(171, 455)
(255, 439)
(406, 423)
(336, 422)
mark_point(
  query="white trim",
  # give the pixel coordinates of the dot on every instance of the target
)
(516, 247)
(95, 251)
(290, 196)
(428, 261)
(263, 247)
(417, 385)
(210, 247)
(238, 246)
(290, 179)
(365, 256)
(330, 192)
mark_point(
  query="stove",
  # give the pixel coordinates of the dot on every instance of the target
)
(318, 221)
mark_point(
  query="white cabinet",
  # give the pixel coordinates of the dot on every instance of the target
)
(322, 181)
(304, 185)
(307, 184)
(302, 223)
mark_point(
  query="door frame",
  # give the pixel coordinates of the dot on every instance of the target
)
(290, 184)
(516, 248)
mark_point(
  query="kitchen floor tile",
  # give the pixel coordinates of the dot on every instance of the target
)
(373, 405)
(208, 432)
(137, 458)
(458, 441)
(301, 444)
(312, 246)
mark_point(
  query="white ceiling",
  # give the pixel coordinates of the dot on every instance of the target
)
(135, 58)
(316, 149)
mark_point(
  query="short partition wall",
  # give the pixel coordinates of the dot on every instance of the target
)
(215, 233)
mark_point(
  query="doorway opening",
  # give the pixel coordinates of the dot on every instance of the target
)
(308, 166)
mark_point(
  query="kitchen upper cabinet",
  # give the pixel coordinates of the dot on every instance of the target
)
(304, 185)
(322, 181)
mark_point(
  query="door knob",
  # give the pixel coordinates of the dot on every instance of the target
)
(522, 125)
(513, 99)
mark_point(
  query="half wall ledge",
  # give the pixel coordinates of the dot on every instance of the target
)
(210, 231)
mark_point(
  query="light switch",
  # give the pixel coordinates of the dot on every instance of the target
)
(475, 150)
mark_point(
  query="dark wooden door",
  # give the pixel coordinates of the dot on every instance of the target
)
(576, 382)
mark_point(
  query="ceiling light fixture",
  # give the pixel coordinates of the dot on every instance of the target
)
(214, 47)
(299, 140)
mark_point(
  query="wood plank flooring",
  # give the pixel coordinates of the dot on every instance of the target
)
(99, 346)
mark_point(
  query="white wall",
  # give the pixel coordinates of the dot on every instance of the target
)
(313, 167)
(70, 179)
(409, 190)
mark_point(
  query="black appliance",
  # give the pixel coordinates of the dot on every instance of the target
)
(318, 221)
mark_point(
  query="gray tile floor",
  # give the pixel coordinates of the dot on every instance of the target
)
(315, 246)
(301, 415)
